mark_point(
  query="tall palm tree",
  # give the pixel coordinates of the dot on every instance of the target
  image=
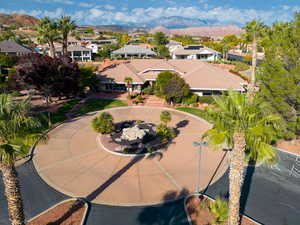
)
(48, 33)
(66, 26)
(247, 129)
(128, 81)
(15, 137)
(254, 29)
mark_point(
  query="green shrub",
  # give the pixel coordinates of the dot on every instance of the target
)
(138, 99)
(190, 99)
(220, 210)
(148, 90)
(150, 149)
(104, 123)
(240, 66)
(165, 117)
(165, 133)
(206, 99)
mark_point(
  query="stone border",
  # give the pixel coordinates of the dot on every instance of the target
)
(206, 196)
(70, 199)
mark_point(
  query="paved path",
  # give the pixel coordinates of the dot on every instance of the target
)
(74, 164)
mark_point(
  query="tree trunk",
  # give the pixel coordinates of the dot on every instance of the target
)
(13, 194)
(254, 59)
(236, 171)
(65, 45)
(52, 49)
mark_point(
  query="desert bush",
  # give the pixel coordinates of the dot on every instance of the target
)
(220, 210)
(165, 117)
(104, 123)
(165, 133)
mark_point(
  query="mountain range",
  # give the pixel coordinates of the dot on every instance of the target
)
(175, 25)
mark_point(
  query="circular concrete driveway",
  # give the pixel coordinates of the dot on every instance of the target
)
(74, 163)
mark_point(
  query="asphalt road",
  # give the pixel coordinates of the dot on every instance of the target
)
(270, 195)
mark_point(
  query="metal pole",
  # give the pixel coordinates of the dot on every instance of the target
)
(199, 169)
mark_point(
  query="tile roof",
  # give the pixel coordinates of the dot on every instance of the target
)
(198, 74)
(134, 49)
(13, 47)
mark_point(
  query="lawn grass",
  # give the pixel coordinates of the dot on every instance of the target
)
(60, 114)
(99, 104)
(56, 117)
(197, 112)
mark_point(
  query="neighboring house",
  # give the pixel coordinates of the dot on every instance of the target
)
(173, 45)
(195, 52)
(238, 55)
(73, 41)
(97, 45)
(133, 51)
(203, 78)
(77, 53)
(12, 48)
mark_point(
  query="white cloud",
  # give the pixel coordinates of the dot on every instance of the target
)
(67, 2)
(285, 7)
(108, 14)
(86, 5)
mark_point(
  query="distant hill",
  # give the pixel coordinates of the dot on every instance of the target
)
(177, 22)
(18, 19)
(212, 31)
(115, 28)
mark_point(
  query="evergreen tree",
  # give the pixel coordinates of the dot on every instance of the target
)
(279, 75)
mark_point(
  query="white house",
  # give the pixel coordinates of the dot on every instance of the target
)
(195, 52)
(132, 51)
(77, 53)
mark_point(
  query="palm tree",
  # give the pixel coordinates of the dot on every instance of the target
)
(247, 129)
(128, 81)
(66, 26)
(15, 137)
(48, 33)
(254, 30)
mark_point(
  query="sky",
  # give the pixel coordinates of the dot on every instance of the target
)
(104, 12)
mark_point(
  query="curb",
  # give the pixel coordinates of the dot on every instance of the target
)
(206, 196)
(67, 200)
(287, 152)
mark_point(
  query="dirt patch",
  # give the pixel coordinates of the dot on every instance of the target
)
(290, 146)
(202, 215)
(67, 213)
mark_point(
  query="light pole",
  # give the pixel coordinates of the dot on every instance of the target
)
(199, 144)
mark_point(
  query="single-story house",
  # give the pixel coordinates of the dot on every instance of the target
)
(202, 77)
(12, 48)
(195, 52)
(77, 53)
(173, 45)
(132, 51)
(98, 44)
